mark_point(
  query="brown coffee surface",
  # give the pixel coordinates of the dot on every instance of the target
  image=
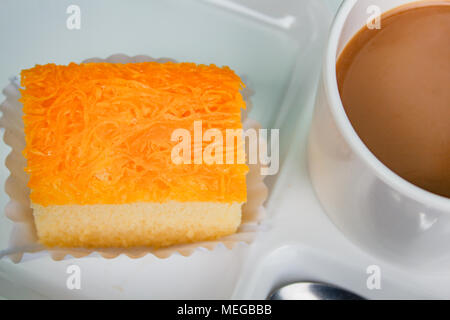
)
(395, 87)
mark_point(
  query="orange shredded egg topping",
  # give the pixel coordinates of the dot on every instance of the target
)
(100, 133)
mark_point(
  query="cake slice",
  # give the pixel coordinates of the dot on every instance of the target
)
(99, 153)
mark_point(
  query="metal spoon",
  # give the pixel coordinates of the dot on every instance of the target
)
(312, 291)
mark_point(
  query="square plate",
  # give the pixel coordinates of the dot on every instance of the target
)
(278, 48)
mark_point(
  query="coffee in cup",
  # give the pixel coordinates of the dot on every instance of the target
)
(394, 84)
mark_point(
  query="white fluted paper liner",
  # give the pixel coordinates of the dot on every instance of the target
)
(23, 238)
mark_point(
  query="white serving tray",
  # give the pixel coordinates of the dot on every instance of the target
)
(278, 47)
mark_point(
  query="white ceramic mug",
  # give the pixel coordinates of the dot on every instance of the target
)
(377, 209)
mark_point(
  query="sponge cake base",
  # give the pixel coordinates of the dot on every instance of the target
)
(135, 224)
